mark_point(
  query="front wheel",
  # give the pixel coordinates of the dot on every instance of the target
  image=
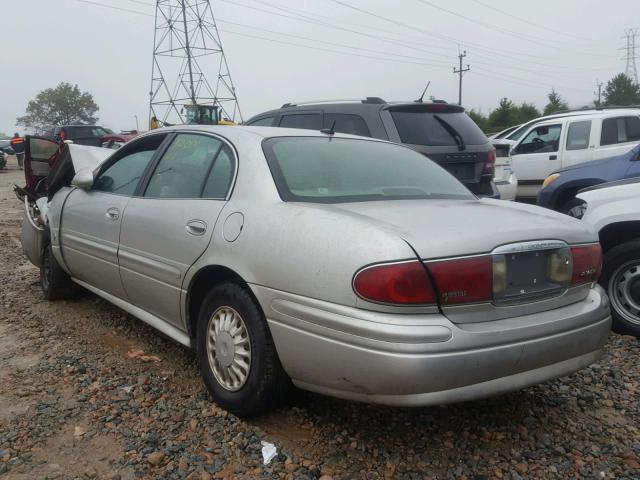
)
(237, 357)
(54, 281)
(574, 208)
(621, 279)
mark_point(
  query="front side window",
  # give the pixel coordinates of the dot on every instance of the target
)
(347, 123)
(308, 121)
(183, 169)
(578, 135)
(264, 122)
(123, 175)
(620, 130)
(542, 139)
(334, 170)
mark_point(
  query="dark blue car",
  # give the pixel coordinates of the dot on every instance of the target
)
(560, 188)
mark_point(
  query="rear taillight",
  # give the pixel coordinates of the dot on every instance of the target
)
(490, 164)
(463, 280)
(587, 263)
(62, 135)
(404, 283)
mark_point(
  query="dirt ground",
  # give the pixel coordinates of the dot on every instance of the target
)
(79, 400)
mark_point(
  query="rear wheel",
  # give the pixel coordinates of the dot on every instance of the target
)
(237, 357)
(574, 208)
(54, 281)
(621, 278)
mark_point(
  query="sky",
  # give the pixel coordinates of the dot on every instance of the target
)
(515, 48)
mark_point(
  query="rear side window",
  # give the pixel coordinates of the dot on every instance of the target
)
(184, 167)
(88, 131)
(620, 130)
(347, 123)
(264, 122)
(578, 135)
(437, 129)
(308, 121)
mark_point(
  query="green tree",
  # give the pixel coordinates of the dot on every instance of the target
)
(480, 119)
(526, 112)
(504, 116)
(621, 90)
(556, 103)
(62, 105)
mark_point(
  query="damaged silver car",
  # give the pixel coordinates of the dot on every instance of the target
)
(347, 266)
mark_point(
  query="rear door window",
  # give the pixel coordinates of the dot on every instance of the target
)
(620, 130)
(578, 135)
(308, 121)
(347, 123)
(437, 129)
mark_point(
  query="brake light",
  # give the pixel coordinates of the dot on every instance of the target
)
(463, 280)
(400, 283)
(62, 135)
(587, 263)
(489, 166)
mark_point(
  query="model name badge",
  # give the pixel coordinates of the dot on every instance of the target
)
(457, 294)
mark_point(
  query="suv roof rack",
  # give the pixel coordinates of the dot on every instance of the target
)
(369, 100)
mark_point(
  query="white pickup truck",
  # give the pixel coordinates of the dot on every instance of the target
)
(547, 144)
(613, 209)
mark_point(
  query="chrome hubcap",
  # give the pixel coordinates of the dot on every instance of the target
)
(624, 290)
(228, 348)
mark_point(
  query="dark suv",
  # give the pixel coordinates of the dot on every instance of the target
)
(441, 131)
(81, 134)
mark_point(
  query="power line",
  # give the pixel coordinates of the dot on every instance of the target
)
(529, 22)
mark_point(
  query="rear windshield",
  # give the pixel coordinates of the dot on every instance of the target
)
(437, 129)
(334, 170)
(85, 131)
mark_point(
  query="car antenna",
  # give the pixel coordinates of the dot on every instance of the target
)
(329, 131)
(423, 93)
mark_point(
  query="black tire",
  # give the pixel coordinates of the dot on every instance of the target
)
(624, 258)
(266, 383)
(54, 281)
(574, 208)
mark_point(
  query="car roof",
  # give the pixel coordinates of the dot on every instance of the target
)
(245, 132)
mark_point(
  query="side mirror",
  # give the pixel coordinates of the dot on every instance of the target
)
(83, 179)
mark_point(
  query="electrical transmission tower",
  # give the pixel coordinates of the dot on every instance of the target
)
(630, 48)
(460, 71)
(189, 64)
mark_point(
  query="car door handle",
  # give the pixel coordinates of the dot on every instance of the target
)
(553, 157)
(196, 227)
(113, 214)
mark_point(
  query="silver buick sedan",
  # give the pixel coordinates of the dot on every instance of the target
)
(347, 266)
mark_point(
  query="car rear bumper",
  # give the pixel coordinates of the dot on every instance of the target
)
(508, 188)
(424, 359)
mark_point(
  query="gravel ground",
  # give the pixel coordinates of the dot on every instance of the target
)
(79, 399)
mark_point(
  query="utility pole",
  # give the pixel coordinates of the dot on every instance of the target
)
(631, 70)
(189, 66)
(598, 93)
(460, 71)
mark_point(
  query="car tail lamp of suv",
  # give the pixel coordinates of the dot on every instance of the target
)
(490, 164)
(506, 276)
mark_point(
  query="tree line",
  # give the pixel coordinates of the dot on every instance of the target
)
(619, 91)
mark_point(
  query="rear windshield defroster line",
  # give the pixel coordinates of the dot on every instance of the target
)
(339, 170)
